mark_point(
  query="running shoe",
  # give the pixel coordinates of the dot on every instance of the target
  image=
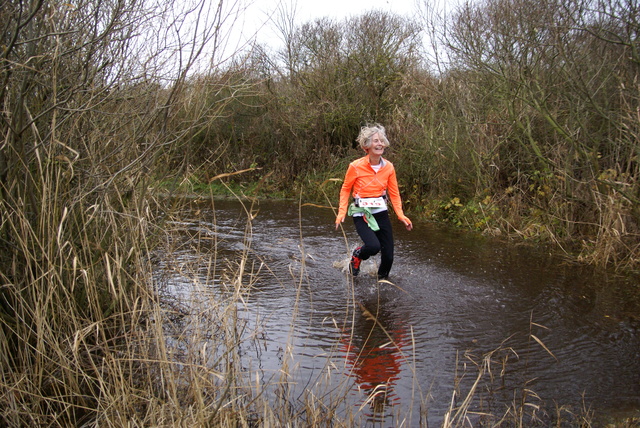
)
(354, 266)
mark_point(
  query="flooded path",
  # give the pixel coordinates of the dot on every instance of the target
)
(561, 335)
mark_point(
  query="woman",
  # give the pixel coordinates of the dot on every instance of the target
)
(373, 181)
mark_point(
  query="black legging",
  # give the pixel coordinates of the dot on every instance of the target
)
(377, 242)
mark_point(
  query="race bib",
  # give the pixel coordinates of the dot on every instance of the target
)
(372, 202)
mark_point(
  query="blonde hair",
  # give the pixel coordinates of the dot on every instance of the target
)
(368, 131)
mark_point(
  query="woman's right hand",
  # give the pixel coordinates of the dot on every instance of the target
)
(339, 219)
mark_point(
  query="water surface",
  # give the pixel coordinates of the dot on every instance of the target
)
(563, 335)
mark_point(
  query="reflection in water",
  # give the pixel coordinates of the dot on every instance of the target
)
(375, 355)
(455, 293)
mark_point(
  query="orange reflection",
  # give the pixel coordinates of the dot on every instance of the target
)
(374, 356)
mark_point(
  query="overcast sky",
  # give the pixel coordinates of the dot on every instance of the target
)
(310, 9)
(257, 12)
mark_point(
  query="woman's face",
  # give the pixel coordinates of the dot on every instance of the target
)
(377, 145)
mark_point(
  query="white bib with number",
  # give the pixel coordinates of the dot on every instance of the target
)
(372, 203)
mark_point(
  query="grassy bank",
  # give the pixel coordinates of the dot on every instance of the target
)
(505, 216)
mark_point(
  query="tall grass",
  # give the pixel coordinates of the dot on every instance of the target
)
(68, 300)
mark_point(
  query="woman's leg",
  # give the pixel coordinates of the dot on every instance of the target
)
(371, 245)
(385, 238)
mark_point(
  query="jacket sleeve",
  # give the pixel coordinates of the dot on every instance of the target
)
(345, 192)
(394, 195)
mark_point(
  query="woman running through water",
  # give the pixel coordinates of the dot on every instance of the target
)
(373, 182)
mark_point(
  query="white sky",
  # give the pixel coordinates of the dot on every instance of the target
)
(310, 9)
(255, 20)
(257, 13)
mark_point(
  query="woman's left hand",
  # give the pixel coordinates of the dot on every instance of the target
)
(407, 223)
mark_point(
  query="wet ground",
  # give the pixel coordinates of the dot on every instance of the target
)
(562, 335)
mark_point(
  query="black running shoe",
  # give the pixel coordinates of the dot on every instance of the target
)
(354, 266)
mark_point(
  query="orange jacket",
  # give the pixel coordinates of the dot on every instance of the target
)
(366, 183)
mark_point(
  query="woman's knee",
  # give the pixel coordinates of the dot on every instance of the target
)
(371, 248)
